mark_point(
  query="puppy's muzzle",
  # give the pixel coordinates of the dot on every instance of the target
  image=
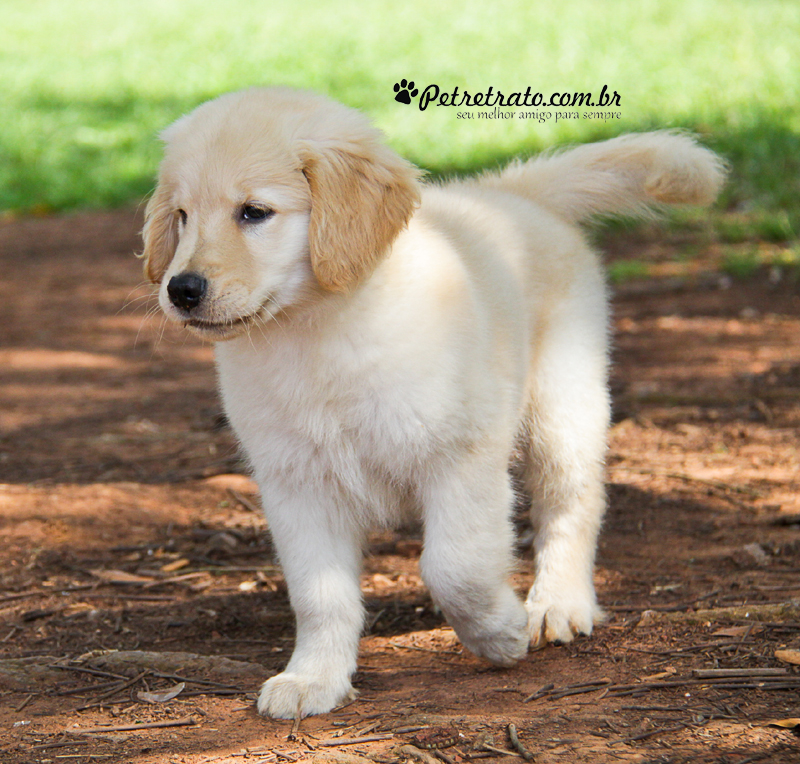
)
(186, 290)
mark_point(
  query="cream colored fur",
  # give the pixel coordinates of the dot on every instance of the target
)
(389, 345)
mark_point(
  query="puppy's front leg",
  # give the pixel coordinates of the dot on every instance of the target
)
(467, 557)
(320, 553)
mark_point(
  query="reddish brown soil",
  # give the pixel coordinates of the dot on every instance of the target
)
(114, 456)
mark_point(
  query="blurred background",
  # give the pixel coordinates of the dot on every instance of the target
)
(87, 85)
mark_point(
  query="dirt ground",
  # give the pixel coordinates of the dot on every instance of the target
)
(128, 526)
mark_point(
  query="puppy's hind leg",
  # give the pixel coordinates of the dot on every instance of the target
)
(567, 430)
(467, 555)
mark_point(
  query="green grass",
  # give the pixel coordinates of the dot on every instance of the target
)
(86, 85)
(622, 271)
(741, 265)
(745, 261)
(768, 226)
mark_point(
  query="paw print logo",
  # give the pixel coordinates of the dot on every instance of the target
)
(405, 91)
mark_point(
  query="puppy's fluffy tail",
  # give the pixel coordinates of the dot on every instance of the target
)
(623, 176)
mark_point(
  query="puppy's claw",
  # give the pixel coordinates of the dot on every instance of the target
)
(560, 624)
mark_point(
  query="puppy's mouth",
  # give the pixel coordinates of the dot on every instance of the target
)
(222, 330)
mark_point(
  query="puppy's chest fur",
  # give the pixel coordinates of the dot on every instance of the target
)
(310, 416)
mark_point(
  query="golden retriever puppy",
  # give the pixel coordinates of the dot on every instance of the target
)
(384, 346)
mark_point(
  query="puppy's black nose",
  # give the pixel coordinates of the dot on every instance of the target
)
(186, 290)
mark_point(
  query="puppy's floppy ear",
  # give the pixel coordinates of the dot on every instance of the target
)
(362, 194)
(160, 233)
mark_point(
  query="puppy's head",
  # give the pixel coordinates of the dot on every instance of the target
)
(264, 198)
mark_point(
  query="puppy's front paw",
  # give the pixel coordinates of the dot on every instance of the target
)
(503, 648)
(502, 638)
(559, 620)
(290, 695)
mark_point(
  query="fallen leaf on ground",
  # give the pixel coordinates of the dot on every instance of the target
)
(171, 567)
(669, 671)
(737, 631)
(120, 577)
(788, 724)
(162, 696)
(788, 656)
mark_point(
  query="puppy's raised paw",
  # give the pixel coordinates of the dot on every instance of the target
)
(503, 648)
(291, 695)
(502, 637)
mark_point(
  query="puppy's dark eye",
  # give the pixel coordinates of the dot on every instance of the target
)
(254, 213)
(183, 216)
